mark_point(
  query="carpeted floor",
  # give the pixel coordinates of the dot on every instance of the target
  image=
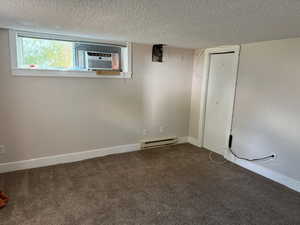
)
(175, 185)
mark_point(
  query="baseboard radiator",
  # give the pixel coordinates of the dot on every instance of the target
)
(158, 142)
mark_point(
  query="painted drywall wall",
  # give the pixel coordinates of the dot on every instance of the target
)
(48, 116)
(197, 79)
(267, 104)
(266, 114)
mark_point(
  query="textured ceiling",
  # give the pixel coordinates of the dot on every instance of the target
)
(182, 23)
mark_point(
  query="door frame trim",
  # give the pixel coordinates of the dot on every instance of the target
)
(204, 85)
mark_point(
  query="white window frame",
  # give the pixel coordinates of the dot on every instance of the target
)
(126, 60)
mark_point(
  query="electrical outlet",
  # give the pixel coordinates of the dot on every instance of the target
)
(161, 129)
(145, 132)
(2, 149)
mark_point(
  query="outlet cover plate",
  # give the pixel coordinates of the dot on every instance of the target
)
(2, 149)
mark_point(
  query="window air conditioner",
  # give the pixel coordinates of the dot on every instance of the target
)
(102, 60)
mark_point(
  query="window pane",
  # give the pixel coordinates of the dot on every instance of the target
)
(45, 54)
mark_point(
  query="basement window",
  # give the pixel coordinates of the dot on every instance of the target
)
(34, 54)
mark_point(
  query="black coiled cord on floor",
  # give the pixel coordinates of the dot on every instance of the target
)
(243, 158)
(251, 160)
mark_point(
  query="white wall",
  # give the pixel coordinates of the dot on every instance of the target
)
(197, 79)
(267, 108)
(48, 116)
(267, 105)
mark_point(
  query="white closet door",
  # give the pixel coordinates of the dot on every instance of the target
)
(219, 102)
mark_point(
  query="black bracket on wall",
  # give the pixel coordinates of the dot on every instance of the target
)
(157, 53)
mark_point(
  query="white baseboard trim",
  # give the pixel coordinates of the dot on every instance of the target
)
(79, 156)
(66, 158)
(194, 141)
(263, 171)
(71, 157)
(182, 140)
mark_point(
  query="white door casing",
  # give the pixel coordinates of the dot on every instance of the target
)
(217, 97)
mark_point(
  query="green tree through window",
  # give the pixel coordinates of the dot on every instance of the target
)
(47, 54)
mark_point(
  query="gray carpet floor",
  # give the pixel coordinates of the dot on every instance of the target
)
(175, 185)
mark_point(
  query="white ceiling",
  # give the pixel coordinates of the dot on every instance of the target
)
(182, 23)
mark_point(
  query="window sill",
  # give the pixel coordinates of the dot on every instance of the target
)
(65, 73)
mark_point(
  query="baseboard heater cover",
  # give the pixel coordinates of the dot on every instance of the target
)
(158, 142)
